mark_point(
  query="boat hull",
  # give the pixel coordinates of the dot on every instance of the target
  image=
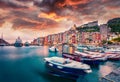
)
(114, 58)
(58, 73)
(90, 62)
(80, 59)
(52, 50)
(64, 70)
(18, 44)
(26, 44)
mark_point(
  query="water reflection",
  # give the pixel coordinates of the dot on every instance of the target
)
(43, 51)
(21, 52)
(29, 66)
(68, 49)
(71, 50)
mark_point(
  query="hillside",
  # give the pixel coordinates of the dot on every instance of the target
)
(114, 24)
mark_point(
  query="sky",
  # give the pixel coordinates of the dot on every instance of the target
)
(30, 19)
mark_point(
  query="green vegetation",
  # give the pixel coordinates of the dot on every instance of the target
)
(114, 24)
(116, 39)
(104, 42)
(89, 29)
(109, 42)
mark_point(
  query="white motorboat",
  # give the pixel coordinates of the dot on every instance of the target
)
(113, 50)
(92, 55)
(53, 49)
(67, 66)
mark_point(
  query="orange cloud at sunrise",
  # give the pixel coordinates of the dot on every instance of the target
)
(72, 2)
(30, 19)
(51, 16)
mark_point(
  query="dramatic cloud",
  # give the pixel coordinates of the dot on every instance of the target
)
(11, 4)
(77, 10)
(55, 15)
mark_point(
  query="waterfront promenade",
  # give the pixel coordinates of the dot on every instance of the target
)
(114, 76)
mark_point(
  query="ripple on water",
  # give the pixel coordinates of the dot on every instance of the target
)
(26, 64)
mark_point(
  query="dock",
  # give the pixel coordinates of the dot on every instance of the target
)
(114, 76)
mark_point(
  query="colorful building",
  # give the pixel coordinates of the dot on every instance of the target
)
(41, 41)
(104, 31)
(89, 33)
(46, 40)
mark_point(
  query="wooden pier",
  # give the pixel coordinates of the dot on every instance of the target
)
(114, 76)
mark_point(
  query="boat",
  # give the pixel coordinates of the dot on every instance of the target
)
(80, 58)
(18, 42)
(97, 55)
(83, 48)
(112, 50)
(67, 66)
(53, 49)
(26, 44)
(113, 56)
(91, 58)
(95, 48)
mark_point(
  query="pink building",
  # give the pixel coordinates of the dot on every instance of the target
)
(65, 37)
(96, 37)
(90, 37)
(104, 31)
(46, 40)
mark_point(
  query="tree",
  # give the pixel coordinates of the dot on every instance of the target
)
(116, 39)
(114, 24)
(109, 42)
(104, 42)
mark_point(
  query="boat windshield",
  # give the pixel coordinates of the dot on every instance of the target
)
(67, 61)
(60, 60)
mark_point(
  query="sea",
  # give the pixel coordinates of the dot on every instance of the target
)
(26, 64)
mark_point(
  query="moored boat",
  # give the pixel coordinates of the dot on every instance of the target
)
(26, 44)
(79, 58)
(91, 58)
(113, 50)
(83, 48)
(97, 55)
(67, 66)
(18, 42)
(53, 49)
(113, 56)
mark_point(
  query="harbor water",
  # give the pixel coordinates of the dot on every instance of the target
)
(26, 64)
